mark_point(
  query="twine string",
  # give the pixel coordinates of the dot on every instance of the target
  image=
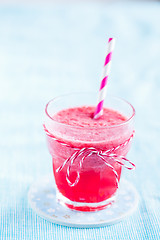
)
(87, 152)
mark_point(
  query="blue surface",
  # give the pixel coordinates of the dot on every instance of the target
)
(48, 50)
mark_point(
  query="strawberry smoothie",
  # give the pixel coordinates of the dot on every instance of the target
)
(75, 129)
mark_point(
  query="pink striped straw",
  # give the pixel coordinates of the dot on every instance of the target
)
(105, 74)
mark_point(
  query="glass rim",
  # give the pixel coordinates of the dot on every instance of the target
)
(86, 127)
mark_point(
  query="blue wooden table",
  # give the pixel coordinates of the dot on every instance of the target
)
(48, 50)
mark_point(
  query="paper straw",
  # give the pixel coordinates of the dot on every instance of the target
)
(105, 74)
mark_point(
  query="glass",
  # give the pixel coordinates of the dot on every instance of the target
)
(88, 161)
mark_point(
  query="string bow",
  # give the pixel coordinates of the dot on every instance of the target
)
(85, 152)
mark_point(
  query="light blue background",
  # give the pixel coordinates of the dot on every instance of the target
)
(48, 50)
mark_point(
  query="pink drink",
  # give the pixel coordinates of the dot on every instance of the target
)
(97, 182)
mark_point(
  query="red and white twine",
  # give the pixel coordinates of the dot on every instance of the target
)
(88, 151)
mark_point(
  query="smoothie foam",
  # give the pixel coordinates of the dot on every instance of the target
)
(83, 117)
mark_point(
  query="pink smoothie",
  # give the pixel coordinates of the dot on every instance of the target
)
(97, 181)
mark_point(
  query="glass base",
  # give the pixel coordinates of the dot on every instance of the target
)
(84, 207)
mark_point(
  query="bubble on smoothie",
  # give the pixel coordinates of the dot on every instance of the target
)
(83, 117)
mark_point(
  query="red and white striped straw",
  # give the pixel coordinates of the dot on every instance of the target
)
(105, 74)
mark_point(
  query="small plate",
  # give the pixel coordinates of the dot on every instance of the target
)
(42, 199)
